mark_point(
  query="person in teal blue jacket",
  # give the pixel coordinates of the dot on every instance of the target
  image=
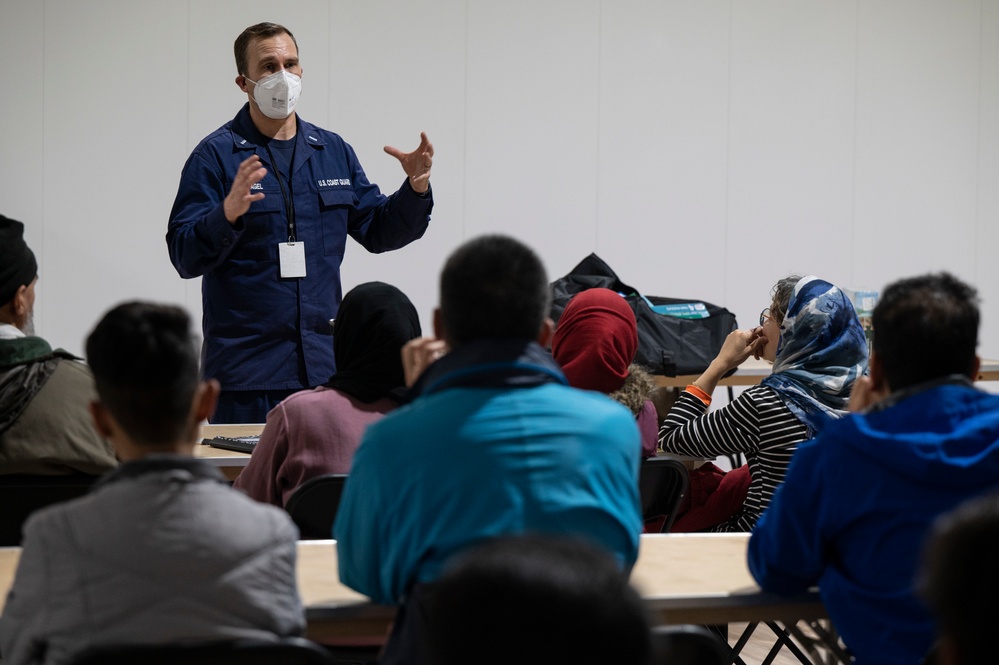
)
(493, 441)
(262, 214)
(858, 501)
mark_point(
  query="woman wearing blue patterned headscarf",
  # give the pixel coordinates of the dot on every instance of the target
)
(820, 353)
(813, 337)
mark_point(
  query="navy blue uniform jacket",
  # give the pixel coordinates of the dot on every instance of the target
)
(263, 332)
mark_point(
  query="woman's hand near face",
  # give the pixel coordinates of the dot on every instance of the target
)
(739, 345)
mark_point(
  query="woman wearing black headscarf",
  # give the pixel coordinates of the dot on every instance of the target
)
(316, 431)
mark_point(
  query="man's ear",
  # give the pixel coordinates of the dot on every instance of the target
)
(241, 82)
(205, 400)
(20, 301)
(103, 423)
(976, 367)
(546, 332)
(439, 324)
(876, 372)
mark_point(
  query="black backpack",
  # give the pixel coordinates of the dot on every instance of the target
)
(667, 345)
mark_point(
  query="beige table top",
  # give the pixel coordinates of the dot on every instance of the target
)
(753, 371)
(229, 462)
(695, 578)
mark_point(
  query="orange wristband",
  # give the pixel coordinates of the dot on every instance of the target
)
(698, 393)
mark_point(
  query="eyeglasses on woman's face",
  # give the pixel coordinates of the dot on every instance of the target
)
(766, 315)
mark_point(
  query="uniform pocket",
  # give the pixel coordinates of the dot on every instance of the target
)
(335, 205)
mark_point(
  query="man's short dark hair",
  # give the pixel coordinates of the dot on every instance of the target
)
(254, 32)
(536, 599)
(926, 328)
(145, 364)
(959, 579)
(493, 287)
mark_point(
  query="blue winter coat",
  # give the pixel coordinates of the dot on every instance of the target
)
(857, 503)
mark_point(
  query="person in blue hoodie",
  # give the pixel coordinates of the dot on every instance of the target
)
(858, 501)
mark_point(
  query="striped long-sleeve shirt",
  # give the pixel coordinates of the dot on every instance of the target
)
(757, 424)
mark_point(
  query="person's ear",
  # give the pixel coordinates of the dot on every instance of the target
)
(876, 372)
(20, 301)
(976, 367)
(546, 332)
(101, 419)
(241, 82)
(206, 398)
(438, 324)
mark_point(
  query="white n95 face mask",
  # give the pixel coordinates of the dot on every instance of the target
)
(277, 94)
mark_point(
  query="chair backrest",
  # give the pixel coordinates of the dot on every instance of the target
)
(688, 645)
(285, 651)
(662, 483)
(313, 505)
(21, 495)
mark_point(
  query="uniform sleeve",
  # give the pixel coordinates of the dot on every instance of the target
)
(382, 223)
(786, 550)
(24, 624)
(689, 430)
(198, 236)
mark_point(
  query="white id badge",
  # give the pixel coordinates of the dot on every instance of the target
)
(291, 257)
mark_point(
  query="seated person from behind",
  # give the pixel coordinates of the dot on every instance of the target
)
(535, 600)
(960, 583)
(813, 337)
(161, 549)
(316, 431)
(493, 442)
(595, 343)
(858, 500)
(45, 427)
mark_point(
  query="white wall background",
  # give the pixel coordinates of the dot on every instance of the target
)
(703, 148)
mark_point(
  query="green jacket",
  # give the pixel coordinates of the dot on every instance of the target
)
(45, 424)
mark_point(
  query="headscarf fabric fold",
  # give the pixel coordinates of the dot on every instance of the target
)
(822, 351)
(596, 340)
(373, 323)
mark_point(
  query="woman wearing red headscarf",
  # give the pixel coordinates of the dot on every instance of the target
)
(595, 343)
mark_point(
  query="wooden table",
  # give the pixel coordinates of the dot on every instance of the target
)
(229, 462)
(753, 371)
(683, 578)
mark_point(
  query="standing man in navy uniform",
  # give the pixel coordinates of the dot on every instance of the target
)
(263, 212)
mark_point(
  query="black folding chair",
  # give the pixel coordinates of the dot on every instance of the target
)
(314, 504)
(285, 651)
(662, 483)
(688, 645)
(21, 495)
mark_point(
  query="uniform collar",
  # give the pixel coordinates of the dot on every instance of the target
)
(246, 136)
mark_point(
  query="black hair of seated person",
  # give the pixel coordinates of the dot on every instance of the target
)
(960, 582)
(493, 287)
(925, 328)
(536, 599)
(145, 363)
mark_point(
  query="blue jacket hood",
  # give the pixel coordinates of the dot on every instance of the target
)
(945, 436)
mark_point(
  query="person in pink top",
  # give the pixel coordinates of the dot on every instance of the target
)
(315, 432)
(595, 343)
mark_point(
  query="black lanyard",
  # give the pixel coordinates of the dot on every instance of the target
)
(286, 193)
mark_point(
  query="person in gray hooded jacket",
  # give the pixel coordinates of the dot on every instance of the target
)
(162, 549)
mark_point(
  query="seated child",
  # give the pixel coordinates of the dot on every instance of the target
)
(162, 549)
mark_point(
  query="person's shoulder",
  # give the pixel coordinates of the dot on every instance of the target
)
(239, 510)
